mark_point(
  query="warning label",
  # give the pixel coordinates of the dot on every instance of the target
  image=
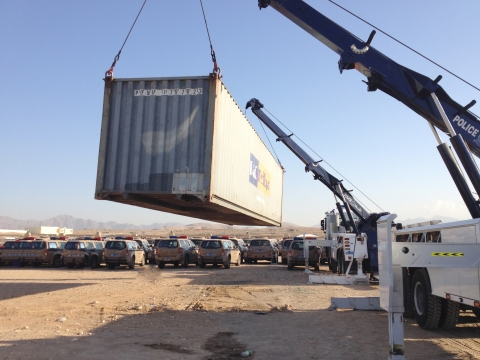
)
(447, 254)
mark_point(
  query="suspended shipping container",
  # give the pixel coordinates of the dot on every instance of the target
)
(182, 145)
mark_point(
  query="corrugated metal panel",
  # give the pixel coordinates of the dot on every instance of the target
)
(245, 172)
(156, 151)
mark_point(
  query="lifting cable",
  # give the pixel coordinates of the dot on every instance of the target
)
(326, 162)
(273, 149)
(408, 47)
(109, 72)
(216, 69)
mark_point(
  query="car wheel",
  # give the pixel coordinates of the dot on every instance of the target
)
(132, 264)
(161, 264)
(227, 264)
(290, 266)
(428, 308)
(111, 266)
(185, 261)
(94, 263)
(70, 265)
(143, 261)
(57, 261)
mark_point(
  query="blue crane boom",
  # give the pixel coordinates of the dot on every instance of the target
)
(405, 85)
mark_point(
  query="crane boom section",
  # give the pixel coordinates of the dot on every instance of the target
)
(335, 185)
(407, 86)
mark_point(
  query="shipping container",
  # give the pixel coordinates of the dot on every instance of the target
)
(183, 145)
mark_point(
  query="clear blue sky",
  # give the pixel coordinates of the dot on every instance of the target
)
(54, 55)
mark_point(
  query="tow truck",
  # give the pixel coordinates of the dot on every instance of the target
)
(352, 243)
(435, 271)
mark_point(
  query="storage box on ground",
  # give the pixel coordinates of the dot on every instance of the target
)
(184, 146)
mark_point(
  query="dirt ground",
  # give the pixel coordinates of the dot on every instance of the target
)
(194, 313)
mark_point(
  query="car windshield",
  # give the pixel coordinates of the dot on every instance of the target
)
(38, 245)
(70, 246)
(168, 243)
(211, 244)
(287, 243)
(259, 243)
(115, 245)
(297, 245)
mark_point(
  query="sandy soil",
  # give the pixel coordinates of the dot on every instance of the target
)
(196, 313)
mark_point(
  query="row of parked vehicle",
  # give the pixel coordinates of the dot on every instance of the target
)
(175, 250)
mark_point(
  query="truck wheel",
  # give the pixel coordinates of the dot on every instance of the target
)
(340, 262)
(94, 263)
(227, 264)
(407, 295)
(334, 266)
(428, 307)
(450, 312)
(132, 264)
(57, 261)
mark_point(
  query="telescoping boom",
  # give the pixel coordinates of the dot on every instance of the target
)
(367, 220)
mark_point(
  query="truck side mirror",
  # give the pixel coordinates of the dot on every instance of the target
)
(322, 224)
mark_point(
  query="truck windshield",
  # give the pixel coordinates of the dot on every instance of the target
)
(168, 243)
(38, 245)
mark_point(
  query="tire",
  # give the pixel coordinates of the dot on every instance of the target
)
(143, 261)
(131, 266)
(70, 265)
(94, 262)
(57, 261)
(408, 295)
(290, 266)
(428, 308)
(334, 266)
(449, 316)
(202, 265)
(185, 261)
(161, 264)
(111, 266)
(227, 264)
(476, 312)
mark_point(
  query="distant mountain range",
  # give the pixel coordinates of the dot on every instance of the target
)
(71, 222)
